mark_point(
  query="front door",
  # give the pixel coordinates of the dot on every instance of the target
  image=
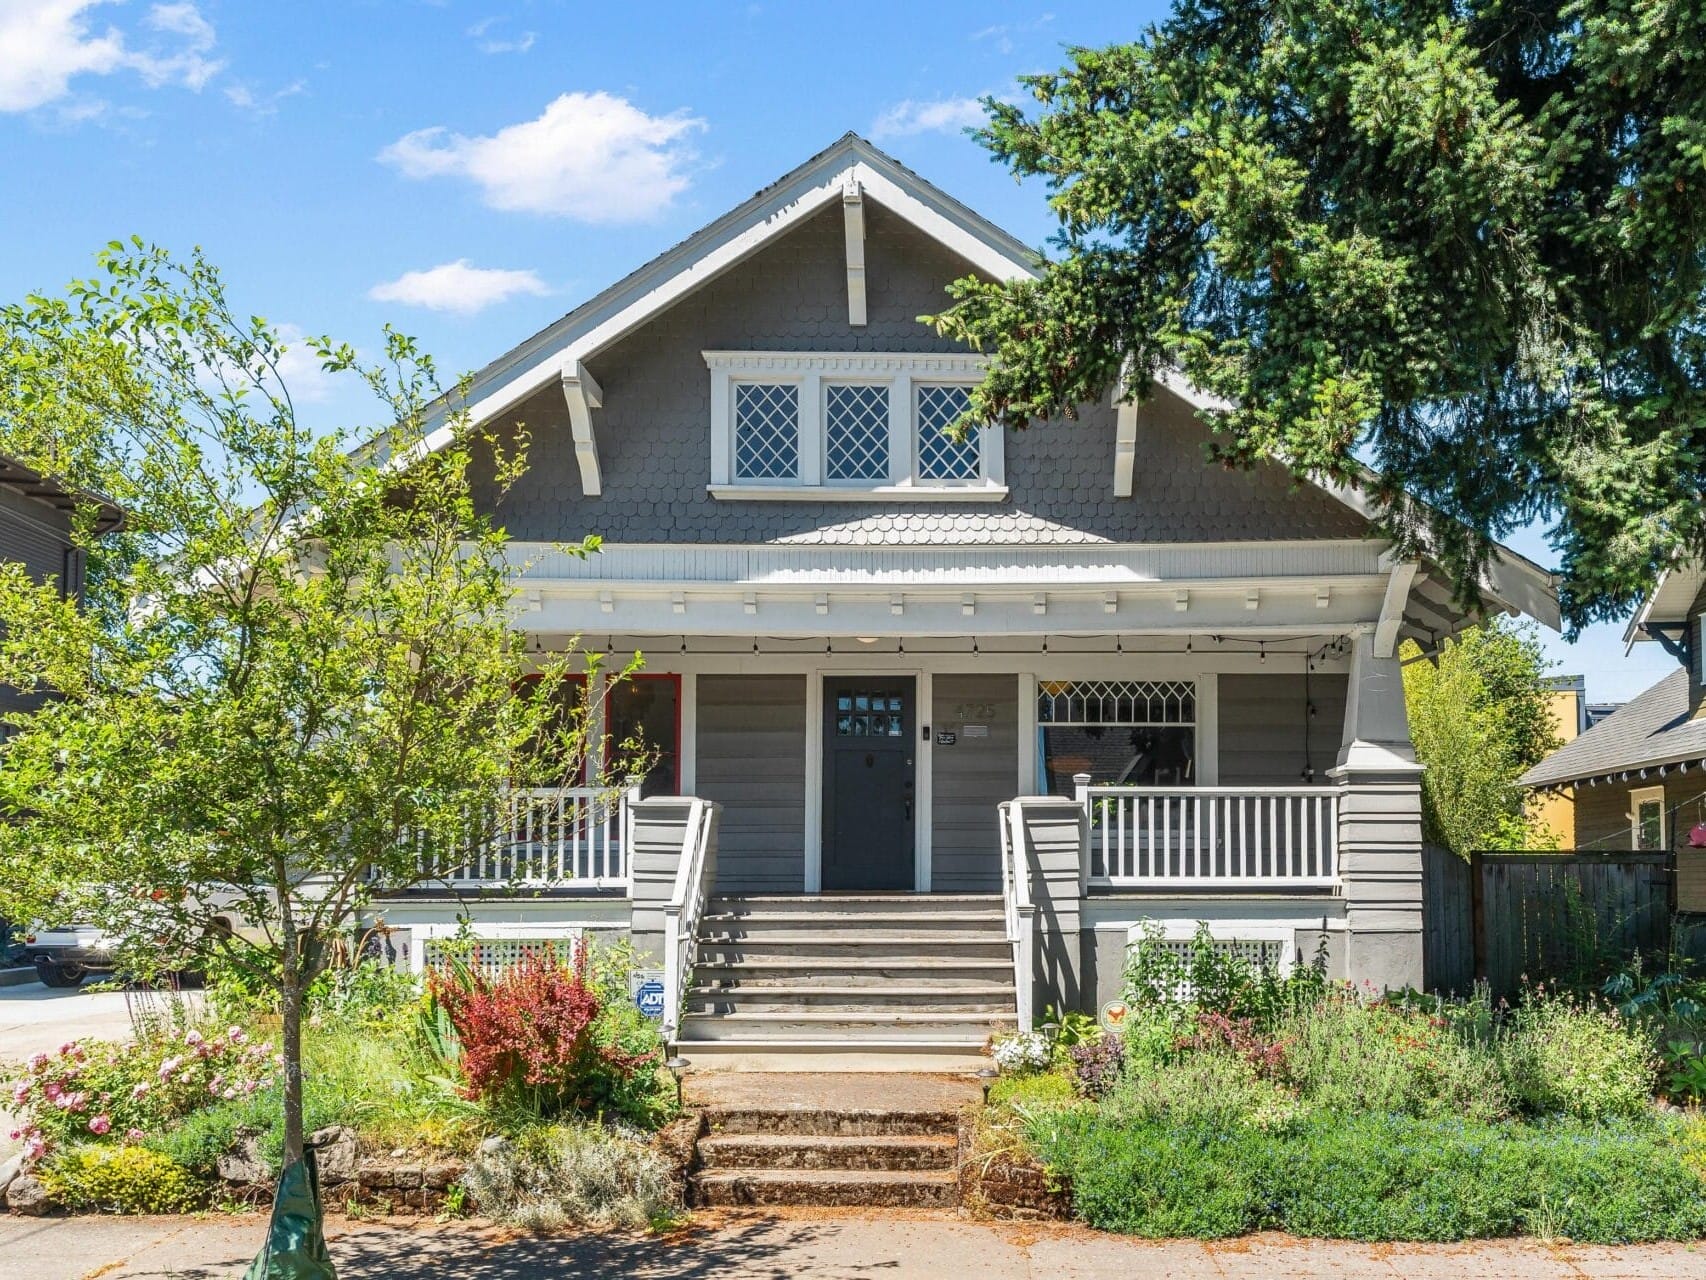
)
(868, 782)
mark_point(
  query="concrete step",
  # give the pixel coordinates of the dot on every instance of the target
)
(886, 1152)
(863, 1003)
(829, 1188)
(815, 1054)
(851, 1026)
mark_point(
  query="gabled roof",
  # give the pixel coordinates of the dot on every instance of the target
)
(706, 254)
(31, 483)
(1654, 731)
(850, 165)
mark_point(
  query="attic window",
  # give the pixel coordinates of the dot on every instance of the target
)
(848, 426)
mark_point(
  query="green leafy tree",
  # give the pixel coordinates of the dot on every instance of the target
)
(299, 686)
(1464, 242)
(1479, 717)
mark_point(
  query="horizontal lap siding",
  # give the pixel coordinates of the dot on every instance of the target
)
(752, 761)
(971, 778)
(1264, 721)
(1603, 824)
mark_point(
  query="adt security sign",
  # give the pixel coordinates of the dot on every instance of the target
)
(647, 988)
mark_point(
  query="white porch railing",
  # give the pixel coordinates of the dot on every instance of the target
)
(681, 917)
(1021, 912)
(557, 837)
(1212, 837)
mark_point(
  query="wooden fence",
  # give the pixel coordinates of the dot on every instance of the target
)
(1510, 917)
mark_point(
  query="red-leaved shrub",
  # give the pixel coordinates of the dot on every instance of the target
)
(531, 1031)
(1240, 1036)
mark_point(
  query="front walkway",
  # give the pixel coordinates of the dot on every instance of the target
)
(887, 1243)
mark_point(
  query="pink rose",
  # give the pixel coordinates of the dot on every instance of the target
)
(192, 1037)
(69, 1047)
(134, 1135)
(34, 1146)
(53, 1090)
(20, 1091)
(38, 1061)
(140, 1091)
(100, 1124)
(168, 1066)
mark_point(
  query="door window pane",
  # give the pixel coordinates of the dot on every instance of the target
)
(644, 712)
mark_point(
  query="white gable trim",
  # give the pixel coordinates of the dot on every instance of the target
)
(814, 186)
(853, 221)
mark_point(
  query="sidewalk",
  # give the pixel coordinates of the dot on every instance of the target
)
(896, 1246)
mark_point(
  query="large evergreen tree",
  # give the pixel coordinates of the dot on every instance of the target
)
(1460, 241)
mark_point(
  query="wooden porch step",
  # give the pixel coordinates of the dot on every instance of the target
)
(989, 999)
(996, 978)
(829, 1188)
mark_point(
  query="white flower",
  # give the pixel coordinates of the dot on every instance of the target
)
(1027, 1051)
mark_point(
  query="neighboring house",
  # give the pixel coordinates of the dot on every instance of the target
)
(1555, 811)
(36, 517)
(1636, 779)
(950, 721)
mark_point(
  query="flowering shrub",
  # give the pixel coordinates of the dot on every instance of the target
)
(1096, 1065)
(1563, 1055)
(1023, 1051)
(126, 1179)
(1241, 1037)
(534, 1034)
(86, 1092)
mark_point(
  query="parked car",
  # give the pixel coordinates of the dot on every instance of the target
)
(63, 956)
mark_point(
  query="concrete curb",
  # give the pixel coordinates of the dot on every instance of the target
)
(17, 976)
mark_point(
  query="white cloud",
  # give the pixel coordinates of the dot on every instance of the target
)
(1001, 35)
(45, 44)
(458, 286)
(945, 115)
(593, 157)
(488, 43)
(300, 369)
(262, 104)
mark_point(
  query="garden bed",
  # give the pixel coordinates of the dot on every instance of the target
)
(538, 1094)
(1237, 1101)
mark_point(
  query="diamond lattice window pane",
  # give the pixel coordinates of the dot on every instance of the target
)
(856, 433)
(1116, 702)
(941, 457)
(767, 431)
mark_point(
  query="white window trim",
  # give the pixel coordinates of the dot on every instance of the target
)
(810, 371)
(1639, 797)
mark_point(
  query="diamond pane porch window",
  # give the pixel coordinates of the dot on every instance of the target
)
(940, 456)
(1120, 732)
(767, 431)
(856, 433)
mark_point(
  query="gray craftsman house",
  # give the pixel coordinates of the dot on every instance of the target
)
(943, 723)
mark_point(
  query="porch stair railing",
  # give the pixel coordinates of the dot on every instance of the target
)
(1210, 837)
(681, 917)
(1019, 910)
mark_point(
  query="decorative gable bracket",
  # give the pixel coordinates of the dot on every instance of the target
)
(853, 216)
(583, 395)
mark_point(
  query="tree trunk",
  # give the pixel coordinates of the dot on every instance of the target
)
(290, 1007)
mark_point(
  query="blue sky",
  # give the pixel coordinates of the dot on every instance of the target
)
(470, 171)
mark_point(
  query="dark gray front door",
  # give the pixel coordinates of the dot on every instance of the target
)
(868, 785)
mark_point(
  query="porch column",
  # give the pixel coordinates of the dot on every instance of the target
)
(659, 828)
(1054, 856)
(1380, 825)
